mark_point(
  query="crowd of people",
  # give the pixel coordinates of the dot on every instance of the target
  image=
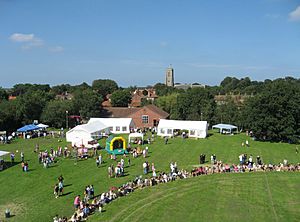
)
(90, 204)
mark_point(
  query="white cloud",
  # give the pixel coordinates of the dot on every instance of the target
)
(29, 40)
(19, 37)
(56, 49)
(295, 15)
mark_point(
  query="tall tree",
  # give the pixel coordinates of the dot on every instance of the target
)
(3, 94)
(104, 86)
(56, 113)
(275, 113)
(8, 118)
(195, 104)
(31, 105)
(120, 98)
(87, 103)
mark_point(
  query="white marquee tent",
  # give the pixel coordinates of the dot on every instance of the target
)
(197, 129)
(82, 134)
(135, 135)
(116, 125)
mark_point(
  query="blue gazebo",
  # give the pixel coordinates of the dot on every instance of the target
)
(28, 128)
(226, 128)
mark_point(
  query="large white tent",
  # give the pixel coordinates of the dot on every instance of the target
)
(116, 125)
(197, 129)
(82, 134)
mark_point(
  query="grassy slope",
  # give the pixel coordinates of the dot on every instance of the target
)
(30, 196)
(233, 197)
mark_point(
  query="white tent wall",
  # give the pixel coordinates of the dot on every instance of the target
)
(135, 135)
(197, 129)
(116, 125)
(84, 133)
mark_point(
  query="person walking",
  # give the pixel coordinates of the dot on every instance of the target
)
(22, 157)
(61, 188)
(56, 190)
(12, 158)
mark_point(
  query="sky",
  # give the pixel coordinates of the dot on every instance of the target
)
(134, 41)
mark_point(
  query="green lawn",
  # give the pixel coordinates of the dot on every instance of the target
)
(258, 197)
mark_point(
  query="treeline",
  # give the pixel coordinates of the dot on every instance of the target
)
(52, 105)
(270, 108)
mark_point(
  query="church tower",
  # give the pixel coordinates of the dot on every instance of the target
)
(170, 76)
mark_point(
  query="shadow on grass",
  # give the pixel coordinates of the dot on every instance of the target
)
(68, 185)
(7, 165)
(66, 194)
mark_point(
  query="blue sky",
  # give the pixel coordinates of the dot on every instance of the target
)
(134, 41)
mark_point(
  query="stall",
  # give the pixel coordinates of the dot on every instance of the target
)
(226, 128)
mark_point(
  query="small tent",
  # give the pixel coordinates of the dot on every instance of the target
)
(197, 129)
(42, 126)
(225, 128)
(135, 135)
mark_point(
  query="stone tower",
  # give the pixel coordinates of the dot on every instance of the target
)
(170, 76)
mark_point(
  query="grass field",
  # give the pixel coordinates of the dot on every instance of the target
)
(255, 197)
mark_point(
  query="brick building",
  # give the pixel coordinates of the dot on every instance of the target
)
(143, 117)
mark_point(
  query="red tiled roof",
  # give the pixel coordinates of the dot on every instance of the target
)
(158, 110)
(118, 112)
(123, 112)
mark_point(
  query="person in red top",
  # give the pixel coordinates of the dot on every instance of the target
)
(77, 201)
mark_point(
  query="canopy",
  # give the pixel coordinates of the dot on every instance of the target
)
(41, 125)
(135, 135)
(3, 153)
(27, 128)
(227, 127)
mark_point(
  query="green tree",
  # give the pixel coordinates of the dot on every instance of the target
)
(120, 98)
(59, 89)
(20, 89)
(275, 113)
(104, 86)
(31, 104)
(195, 104)
(162, 90)
(87, 103)
(55, 113)
(228, 112)
(3, 94)
(8, 118)
(168, 103)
